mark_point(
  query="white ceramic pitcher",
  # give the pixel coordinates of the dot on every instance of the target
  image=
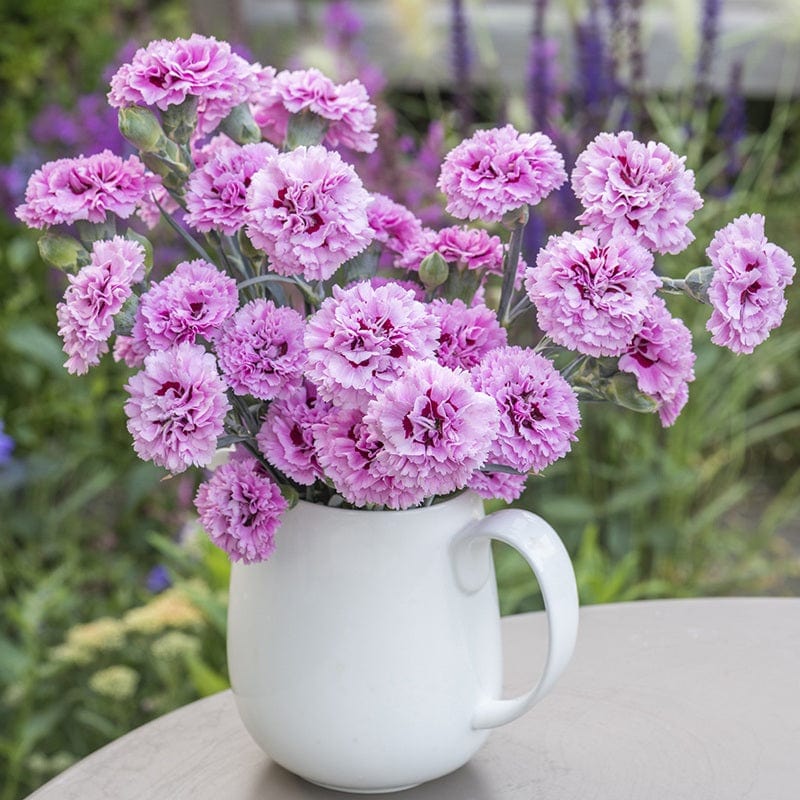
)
(365, 654)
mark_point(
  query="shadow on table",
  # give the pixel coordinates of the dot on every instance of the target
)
(465, 783)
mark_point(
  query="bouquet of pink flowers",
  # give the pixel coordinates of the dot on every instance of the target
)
(352, 355)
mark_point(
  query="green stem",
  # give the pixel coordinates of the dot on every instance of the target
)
(510, 273)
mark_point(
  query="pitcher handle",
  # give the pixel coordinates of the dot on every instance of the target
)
(541, 547)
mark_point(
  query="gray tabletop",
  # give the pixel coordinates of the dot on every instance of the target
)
(695, 699)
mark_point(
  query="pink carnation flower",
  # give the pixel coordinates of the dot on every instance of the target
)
(165, 73)
(216, 192)
(634, 189)
(434, 426)
(415, 249)
(346, 107)
(86, 188)
(499, 170)
(307, 211)
(177, 407)
(747, 290)
(94, 296)
(470, 248)
(393, 225)
(497, 485)
(156, 195)
(591, 297)
(286, 436)
(240, 508)
(538, 408)
(467, 333)
(192, 301)
(362, 338)
(350, 453)
(260, 349)
(661, 358)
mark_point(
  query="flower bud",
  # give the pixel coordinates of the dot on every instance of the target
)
(141, 128)
(63, 252)
(240, 126)
(305, 128)
(433, 271)
(179, 121)
(696, 283)
(517, 216)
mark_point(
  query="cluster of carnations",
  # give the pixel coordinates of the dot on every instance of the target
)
(351, 354)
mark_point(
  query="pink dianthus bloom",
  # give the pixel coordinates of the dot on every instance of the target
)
(467, 333)
(415, 249)
(166, 73)
(94, 296)
(286, 435)
(346, 108)
(156, 195)
(634, 189)
(661, 358)
(216, 192)
(506, 486)
(240, 508)
(192, 301)
(747, 290)
(177, 407)
(86, 188)
(591, 297)
(394, 226)
(470, 248)
(538, 408)
(307, 209)
(434, 426)
(362, 338)
(499, 170)
(260, 349)
(349, 452)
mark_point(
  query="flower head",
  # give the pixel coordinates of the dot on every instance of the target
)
(361, 339)
(467, 333)
(506, 486)
(346, 108)
(240, 507)
(747, 290)
(177, 407)
(470, 248)
(499, 170)
(94, 296)
(286, 435)
(393, 225)
(538, 408)
(661, 358)
(350, 453)
(434, 426)
(260, 349)
(216, 192)
(166, 73)
(634, 189)
(87, 188)
(307, 211)
(591, 297)
(192, 301)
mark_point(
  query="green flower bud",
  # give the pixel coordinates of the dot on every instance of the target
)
(305, 128)
(63, 252)
(180, 121)
(517, 216)
(696, 283)
(433, 271)
(141, 128)
(241, 126)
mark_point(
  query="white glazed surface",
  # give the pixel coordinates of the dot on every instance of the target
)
(364, 650)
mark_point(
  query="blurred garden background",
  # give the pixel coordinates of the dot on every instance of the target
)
(113, 603)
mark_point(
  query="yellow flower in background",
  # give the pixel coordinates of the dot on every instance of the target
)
(174, 645)
(170, 609)
(411, 18)
(118, 682)
(105, 633)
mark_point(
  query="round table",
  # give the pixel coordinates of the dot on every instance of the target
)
(673, 699)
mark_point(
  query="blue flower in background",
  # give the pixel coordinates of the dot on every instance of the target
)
(158, 579)
(6, 445)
